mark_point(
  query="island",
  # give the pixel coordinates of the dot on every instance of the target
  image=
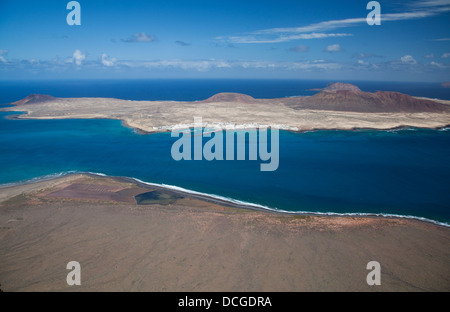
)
(338, 106)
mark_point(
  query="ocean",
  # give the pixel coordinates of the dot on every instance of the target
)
(399, 172)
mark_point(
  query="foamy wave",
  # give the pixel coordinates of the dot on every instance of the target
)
(96, 173)
(232, 200)
(395, 130)
(262, 207)
(38, 179)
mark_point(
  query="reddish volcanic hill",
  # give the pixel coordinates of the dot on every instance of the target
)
(339, 86)
(35, 98)
(230, 97)
(335, 97)
(347, 97)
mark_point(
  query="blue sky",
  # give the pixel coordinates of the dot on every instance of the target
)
(226, 39)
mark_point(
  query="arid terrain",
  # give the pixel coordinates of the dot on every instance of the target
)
(339, 106)
(175, 242)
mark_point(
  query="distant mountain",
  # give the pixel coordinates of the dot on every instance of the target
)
(35, 98)
(446, 84)
(339, 86)
(334, 97)
(231, 97)
(347, 97)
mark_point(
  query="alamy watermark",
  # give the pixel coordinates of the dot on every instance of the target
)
(74, 276)
(213, 149)
(74, 16)
(374, 16)
(374, 276)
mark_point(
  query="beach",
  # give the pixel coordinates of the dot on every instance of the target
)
(177, 242)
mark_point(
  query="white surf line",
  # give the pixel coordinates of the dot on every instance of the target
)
(228, 199)
(271, 209)
(38, 179)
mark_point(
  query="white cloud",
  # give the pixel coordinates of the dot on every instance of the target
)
(143, 37)
(106, 61)
(140, 37)
(223, 64)
(436, 64)
(78, 57)
(446, 55)
(333, 48)
(2, 55)
(408, 59)
(431, 55)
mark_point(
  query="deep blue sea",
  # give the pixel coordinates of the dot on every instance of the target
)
(402, 172)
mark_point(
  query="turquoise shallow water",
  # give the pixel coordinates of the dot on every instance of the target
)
(404, 172)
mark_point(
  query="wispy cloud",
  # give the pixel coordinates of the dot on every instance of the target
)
(317, 27)
(256, 38)
(182, 43)
(431, 3)
(445, 55)
(314, 65)
(333, 48)
(439, 65)
(300, 48)
(206, 65)
(364, 55)
(198, 65)
(139, 37)
(419, 9)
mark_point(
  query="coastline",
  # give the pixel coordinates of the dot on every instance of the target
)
(161, 116)
(166, 129)
(214, 199)
(181, 243)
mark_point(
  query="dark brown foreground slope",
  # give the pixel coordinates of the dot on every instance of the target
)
(189, 244)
